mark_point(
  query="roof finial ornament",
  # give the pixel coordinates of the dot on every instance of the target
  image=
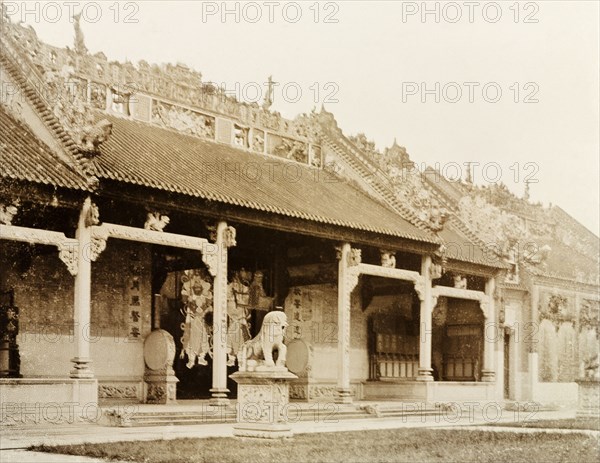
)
(526, 194)
(80, 47)
(469, 178)
(268, 101)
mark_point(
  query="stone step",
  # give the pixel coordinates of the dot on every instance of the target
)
(191, 417)
(305, 413)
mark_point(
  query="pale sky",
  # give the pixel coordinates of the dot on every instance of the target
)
(380, 60)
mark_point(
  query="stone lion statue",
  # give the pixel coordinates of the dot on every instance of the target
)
(259, 351)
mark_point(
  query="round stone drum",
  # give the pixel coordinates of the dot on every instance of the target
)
(159, 350)
(298, 357)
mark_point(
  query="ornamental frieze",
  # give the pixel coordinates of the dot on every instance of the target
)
(183, 120)
(556, 308)
(396, 168)
(589, 315)
(110, 391)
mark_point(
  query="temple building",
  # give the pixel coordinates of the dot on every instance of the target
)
(149, 221)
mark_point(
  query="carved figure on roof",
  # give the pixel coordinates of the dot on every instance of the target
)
(437, 218)
(241, 136)
(292, 149)
(93, 215)
(268, 100)
(80, 47)
(92, 136)
(258, 143)
(361, 142)
(7, 213)
(388, 259)
(460, 282)
(396, 155)
(156, 221)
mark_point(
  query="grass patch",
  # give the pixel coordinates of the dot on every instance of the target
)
(390, 445)
(568, 423)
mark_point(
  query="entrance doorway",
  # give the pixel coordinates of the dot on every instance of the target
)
(183, 307)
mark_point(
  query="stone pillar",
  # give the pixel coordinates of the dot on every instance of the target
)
(82, 295)
(426, 325)
(533, 365)
(347, 280)
(219, 367)
(488, 373)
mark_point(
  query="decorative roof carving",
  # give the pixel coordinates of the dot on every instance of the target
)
(178, 98)
(92, 136)
(156, 221)
(556, 308)
(80, 47)
(406, 181)
(8, 212)
(388, 258)
(589, 315)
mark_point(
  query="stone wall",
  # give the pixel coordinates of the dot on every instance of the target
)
(44, 295)
(312, 314)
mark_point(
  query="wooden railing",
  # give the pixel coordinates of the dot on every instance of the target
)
(393, 366)
(459, 368)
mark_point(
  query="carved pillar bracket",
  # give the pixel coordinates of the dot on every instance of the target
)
(420, 288)
(484, 306)
(67, 247)
(67, 253)
(210, 257)
(351, 280)
(434, 299)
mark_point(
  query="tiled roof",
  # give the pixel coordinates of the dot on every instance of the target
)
(142, 154)
(462, 246)
(24, 157)
(565, 262)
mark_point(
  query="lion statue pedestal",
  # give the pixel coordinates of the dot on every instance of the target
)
(263, 383)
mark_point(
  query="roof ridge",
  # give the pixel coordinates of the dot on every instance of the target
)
(49, 120)
(388, 195)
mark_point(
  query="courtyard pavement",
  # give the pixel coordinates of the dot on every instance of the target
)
(14, 440)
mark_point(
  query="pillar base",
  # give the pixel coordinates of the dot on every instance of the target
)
(160, 387)
(488, 376)
(219, 397)
(343, 396)
(81, 368)
(425, 374)
(588, 405)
